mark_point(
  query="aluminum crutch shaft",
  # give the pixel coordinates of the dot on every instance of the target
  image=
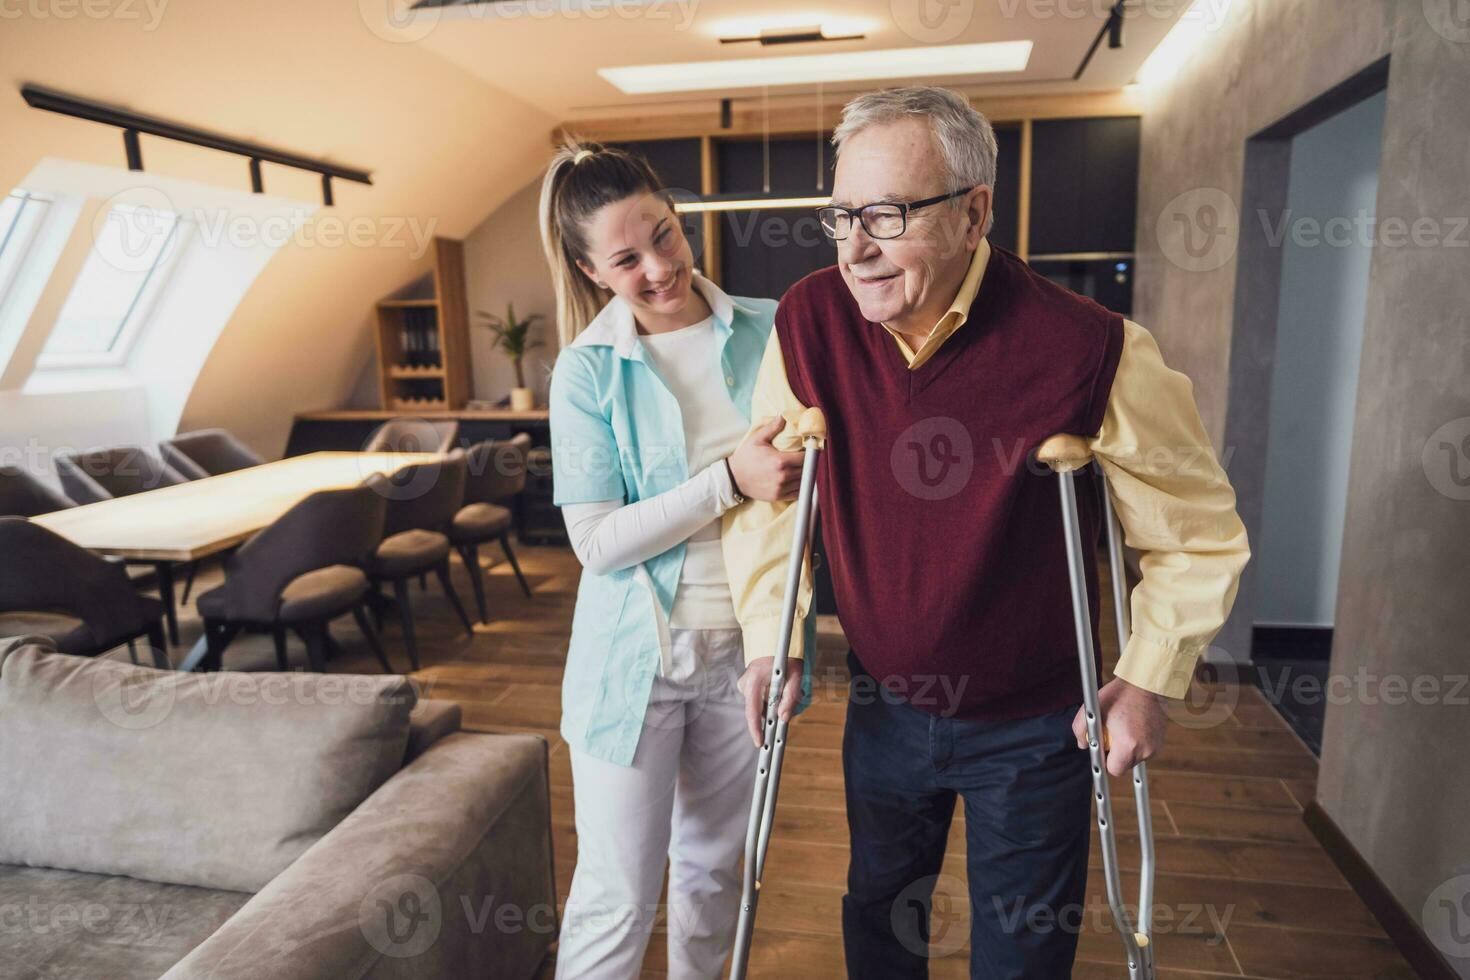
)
(778, 752)
(1066, 454)
(812, 428)
(1124, 621)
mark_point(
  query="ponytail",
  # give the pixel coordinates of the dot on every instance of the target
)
(582, 178)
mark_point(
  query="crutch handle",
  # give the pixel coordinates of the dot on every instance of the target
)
(1064, 453)
(812, 425)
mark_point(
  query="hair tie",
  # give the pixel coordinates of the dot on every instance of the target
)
(581, 155)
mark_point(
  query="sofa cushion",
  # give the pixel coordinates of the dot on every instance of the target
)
(430, 721)
(219, 780)
(19, 641)
(73, 924)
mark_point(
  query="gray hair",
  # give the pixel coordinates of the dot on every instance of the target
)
(965, 137)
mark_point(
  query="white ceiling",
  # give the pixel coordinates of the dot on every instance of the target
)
(547, 52)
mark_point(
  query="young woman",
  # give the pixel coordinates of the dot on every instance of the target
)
(650, 407)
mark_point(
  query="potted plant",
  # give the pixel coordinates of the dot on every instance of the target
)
(514, 337)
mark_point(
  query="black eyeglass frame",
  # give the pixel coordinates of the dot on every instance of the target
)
(903, 212)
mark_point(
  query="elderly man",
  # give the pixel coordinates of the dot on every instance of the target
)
(941, 364)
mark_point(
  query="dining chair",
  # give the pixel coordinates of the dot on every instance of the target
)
(82, 601)
(120, 471)
(411, 435)
(22, 495)
(201, 454)
(422, 500)
(299, 573)
(207, 452)
(496, 472)
(116, 471)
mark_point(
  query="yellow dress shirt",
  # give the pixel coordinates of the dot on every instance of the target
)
(1172, 496)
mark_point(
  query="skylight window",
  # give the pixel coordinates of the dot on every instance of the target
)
(133, 250)
(20, 215)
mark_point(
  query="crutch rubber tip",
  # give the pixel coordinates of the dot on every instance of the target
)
(1064, 453)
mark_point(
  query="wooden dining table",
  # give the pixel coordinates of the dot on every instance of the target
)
(193, 520)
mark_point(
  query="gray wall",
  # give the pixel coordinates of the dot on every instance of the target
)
(1395, 773)
(503, 263)
(1314, 386)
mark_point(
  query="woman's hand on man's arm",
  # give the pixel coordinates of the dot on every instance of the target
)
(763, 472)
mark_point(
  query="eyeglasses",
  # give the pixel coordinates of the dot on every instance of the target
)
(886, 220)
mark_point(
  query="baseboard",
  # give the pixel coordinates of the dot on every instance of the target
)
(1401, 927)
(1291, 643)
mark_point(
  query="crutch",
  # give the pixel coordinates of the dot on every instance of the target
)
(812, 427)
(1065, 454)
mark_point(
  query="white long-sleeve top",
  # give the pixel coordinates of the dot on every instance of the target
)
(609, 534)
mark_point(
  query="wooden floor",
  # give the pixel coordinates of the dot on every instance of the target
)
(1243, 888)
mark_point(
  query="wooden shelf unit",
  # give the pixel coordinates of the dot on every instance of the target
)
(440, 379)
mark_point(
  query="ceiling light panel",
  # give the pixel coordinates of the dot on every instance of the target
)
(809, 69)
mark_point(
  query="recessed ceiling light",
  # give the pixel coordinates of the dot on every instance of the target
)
(731, 26)
(753, 28)
(810, 34)
(928, 61)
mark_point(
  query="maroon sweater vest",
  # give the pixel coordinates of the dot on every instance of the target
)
(942, 533)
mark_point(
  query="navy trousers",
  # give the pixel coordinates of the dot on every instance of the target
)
(1027, 790)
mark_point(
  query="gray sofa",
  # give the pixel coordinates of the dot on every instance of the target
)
(256, 825)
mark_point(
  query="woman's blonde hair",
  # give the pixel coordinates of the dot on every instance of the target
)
(583, 177)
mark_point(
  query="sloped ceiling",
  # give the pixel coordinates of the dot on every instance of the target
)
(444, 146)
(550, 50)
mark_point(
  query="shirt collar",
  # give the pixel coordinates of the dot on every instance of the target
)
(959, 310)
(970, 288)
(615, 325)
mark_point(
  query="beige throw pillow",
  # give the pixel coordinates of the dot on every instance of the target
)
(219, 780)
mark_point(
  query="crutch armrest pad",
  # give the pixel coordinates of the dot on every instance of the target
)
(1064, 453)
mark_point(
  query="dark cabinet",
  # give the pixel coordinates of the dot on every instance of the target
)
(1006, 229)
(1084, 185)
(764, 253)
(1109, 280)
(675, 161)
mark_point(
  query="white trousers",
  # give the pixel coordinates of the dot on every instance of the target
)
(685, 800)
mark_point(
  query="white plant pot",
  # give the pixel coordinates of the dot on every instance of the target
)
(522, 399)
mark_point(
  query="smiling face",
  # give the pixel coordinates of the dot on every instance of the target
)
(637, 248)
(906, 282)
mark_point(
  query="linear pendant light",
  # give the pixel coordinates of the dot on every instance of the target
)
(749, 202)
(927, 61)
(766, 200)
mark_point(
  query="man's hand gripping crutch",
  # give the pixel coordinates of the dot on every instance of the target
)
(812, 428)
(1066, 454)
